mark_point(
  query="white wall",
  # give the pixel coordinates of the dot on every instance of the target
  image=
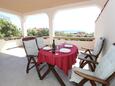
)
(105, 26)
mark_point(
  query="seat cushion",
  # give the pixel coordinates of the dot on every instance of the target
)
(31, 47)
(40, 42)
(76, 78)
(107, 64)
(98, 46)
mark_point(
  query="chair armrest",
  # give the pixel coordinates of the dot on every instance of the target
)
(86, 49)
(46, 45)
(90, 61)
(91, 77)
(87, 54)
(31, 55)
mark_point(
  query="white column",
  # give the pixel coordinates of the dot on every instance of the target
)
(51, 30)
(24, 30)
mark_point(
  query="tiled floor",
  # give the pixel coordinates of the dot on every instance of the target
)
(12, 71)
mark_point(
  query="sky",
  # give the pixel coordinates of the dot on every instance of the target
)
(69, 20)
(77, 19)
(12, 18)
(39, 20)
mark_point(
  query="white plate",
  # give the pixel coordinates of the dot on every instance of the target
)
(65, 50)
(47, 48)
(68, 45)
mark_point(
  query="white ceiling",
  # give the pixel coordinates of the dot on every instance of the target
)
(24, 6)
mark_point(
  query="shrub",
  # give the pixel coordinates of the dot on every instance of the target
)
(76, 38)
(38, 32)
(76, 34)
(31, 32)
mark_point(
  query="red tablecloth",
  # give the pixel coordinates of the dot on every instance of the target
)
(62, 60)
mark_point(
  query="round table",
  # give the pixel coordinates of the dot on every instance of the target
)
(62, 60)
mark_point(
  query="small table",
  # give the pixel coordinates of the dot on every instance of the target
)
(62, 60)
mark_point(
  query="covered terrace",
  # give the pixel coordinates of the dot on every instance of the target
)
(12, 66)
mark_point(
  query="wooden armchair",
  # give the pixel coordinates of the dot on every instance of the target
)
(91, 54)
(31, 50)
(105, 71)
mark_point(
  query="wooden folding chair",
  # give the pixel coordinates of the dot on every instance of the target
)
(104, 72)
(31, 50)
(91, 54)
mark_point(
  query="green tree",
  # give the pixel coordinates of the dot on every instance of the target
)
(7, 29)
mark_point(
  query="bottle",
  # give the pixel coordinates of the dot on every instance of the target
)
(53, 46)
